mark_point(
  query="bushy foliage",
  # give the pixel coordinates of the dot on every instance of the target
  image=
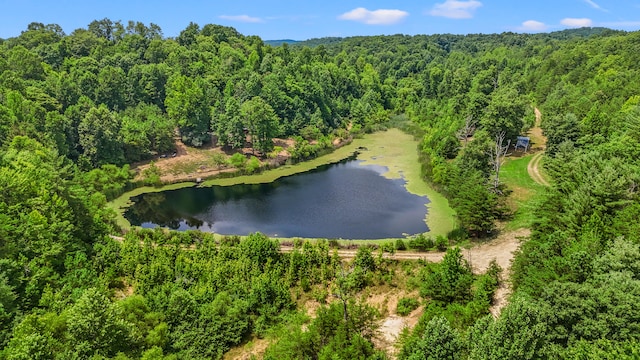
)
(451, 281)
(74, 109)
(406, 305)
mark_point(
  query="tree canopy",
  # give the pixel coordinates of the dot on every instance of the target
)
(76, 109)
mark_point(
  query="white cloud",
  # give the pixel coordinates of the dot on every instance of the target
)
(455, 9)
(576, 23)
(595, 6)
(374, 17)
(532, 25)
(241, 18)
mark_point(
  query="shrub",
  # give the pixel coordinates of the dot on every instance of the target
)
(152, 175)
(442, 243)
(421, 243)
(406, 306)
(297, 243)
(457, 234)
(219, 159)
(238, 160)
(400, 245)
(230, 240)
(274, 153)
(388, 247)
(320, 295)
(253, 165)
(304, 284)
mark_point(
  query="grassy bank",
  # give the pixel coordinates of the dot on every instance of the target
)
(526, 192)
(121, 203)
(393, 149)
(396, 150)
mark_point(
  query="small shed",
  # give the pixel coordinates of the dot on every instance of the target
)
(523, 142)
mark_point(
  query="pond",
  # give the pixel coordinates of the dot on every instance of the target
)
(345, 200)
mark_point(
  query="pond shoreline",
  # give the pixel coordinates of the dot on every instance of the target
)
(392, 149)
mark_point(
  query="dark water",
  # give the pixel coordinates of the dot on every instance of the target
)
(345, 200)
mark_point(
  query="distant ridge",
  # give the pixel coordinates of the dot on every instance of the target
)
(280, 42)
(583, 32)
(310, 43)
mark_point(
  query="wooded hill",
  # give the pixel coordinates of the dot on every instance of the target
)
(76, 108)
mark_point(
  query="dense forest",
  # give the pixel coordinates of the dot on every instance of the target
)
(76, 109)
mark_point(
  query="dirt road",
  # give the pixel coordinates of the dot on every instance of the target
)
(501, 249)
(534, 170)
(539, 145)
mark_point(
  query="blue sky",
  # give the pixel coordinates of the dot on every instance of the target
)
(302, 19)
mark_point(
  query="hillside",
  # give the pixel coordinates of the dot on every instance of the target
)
(79, 110)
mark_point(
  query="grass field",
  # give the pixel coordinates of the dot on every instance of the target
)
(526, 192)
(393, 149)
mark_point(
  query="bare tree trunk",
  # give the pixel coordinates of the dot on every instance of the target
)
(496, 156)
(467, 129)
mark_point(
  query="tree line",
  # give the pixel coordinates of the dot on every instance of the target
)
(76, 109)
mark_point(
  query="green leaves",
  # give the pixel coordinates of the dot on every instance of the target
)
(451, 281)
(94, 326)
(505, 112)
(263, 123)
(186, 106)
(475, 205)
(209, 330)
(98, 136)
(517, 334)
(437, 341)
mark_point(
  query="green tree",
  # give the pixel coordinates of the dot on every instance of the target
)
(217, 326)
(98, 135)
(25, 63)
(110, 89)
(188, 35)
(504, 113)
(559, 129)
(186, 106)
(95, 326)
(229, 125)
(61, 217)
(146, 132)
(475, 205)
(519, 333)
(33, 338)
(262, 122)
(7, 308)
(437, 341)
(452, 279)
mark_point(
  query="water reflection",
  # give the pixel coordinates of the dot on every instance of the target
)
(345, 200)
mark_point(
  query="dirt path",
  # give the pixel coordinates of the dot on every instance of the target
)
(538, 140)
(538, 116)
(479, 257)
(539, 145)
(501, 249)
(534, 170)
